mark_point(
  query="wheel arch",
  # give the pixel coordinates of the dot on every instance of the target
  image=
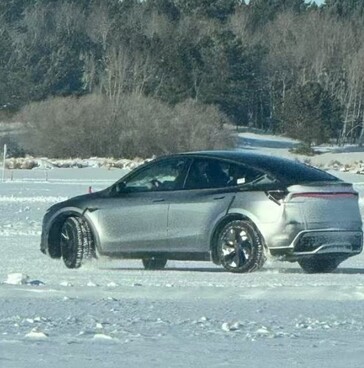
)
(53, 238)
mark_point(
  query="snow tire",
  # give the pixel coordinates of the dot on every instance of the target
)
(75, 241)
(319, 265)
(239, 247)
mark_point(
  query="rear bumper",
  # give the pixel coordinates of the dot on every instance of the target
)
(322, 242)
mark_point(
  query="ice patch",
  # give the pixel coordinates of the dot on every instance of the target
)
(34, 334)
(66, 284)
(21, 279)
(17, 279)
(226, 327)
(263, 331)
(102, 337)
(92, 284)
(230, 326)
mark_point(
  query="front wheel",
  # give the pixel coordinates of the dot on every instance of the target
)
(319, 265)
(75, 241)
(154, 263)
(239, 247)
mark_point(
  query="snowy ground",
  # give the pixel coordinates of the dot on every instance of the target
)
(115, 314)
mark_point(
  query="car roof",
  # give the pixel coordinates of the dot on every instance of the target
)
(284, 169)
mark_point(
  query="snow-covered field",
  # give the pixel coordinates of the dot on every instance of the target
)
(115, 314)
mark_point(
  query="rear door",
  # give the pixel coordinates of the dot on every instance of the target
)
(208, 192)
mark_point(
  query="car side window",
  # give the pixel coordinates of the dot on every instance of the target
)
(206, 173)
(240, 175)
(209, 173)
(162, 176)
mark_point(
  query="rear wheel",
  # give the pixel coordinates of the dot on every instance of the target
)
(154, 263)
(239, 247)
(76, 242)
(319, 265)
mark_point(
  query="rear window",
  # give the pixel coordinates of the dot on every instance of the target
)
(296, 173)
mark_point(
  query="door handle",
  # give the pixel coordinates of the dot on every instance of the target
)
(217, 198)
(158, 200)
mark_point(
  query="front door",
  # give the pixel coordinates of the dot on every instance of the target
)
(133, 222)
(134, 218)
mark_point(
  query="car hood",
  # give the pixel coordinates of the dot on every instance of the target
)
(78, 201)
(88, 196)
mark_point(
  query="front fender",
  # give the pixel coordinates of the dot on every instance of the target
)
(52, 223)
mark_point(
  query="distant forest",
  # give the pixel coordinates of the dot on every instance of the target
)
(153, 67)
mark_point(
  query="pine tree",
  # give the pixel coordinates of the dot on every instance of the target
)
(310, 114)
(345, 8)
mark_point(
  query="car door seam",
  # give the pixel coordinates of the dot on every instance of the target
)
(230, 204)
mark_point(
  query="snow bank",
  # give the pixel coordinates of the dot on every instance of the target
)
(346, 158)
(29, 163)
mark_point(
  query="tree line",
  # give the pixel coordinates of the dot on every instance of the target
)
(284, 66)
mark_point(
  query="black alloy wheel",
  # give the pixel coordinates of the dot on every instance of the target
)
(239, 247)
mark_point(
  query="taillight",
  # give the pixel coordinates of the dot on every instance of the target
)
(277, 196)
(334, 195)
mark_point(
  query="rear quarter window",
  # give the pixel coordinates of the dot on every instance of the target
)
(297, 173)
